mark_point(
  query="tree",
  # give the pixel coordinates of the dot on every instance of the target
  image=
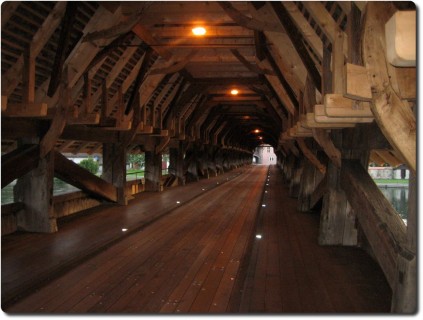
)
(90, 164)
(136, 160)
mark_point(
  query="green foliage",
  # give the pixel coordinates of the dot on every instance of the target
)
(90, 164)
(136, 160)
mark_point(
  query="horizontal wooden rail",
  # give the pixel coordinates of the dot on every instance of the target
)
(381, 224)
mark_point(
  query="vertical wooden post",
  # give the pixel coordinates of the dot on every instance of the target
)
(211, 161)
(35, 190)
(153, 171)
(114, 169)
(297, 171)
(338, 220)
(28, 77)
(192, 168)
(310, 179)
(203, 162)
(176, 165)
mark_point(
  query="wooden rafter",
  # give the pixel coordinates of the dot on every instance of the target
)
(325, 21)
(43, 34)
(7, 10)
(177, 66)
(304, 27)
(140, 77)
(65, 33)
(78, 59)
(103, 53)
(119, 29)
(282, 50)
(297, 41)
(248, 22)
(249, 65)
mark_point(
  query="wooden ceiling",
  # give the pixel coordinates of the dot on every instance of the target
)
(189, 78)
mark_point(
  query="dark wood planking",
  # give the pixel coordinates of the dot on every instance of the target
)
(87, 295)
(77, 241)
(312, 276)
(161, 268)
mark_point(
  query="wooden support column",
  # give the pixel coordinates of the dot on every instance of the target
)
(153, 171)
(35, 190)
(203, 162)
(211, 161)
(226, 161)
(176, 165)
(294, 185)
(114, 169)
(191, 165)
(218, 160)
(310, 179)
(337, 219)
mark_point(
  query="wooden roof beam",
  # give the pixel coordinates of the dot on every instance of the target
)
(11, 78)
(250, 66)
(297, 40)
(79, 58)
(7, 10)
(139, 79)
(280, 90)
(119, 29)
(282, 50)
(177, 66)
(64, 39)
(325, 21)
(247, 22)
(307, 32)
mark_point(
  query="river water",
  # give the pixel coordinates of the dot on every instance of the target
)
(398, 197)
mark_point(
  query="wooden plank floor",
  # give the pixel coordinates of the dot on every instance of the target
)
(176, 264)
(203, 257)
(289, 272)
(31, 259)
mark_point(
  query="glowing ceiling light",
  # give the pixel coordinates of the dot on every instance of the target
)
(199, 31)
(234, 92)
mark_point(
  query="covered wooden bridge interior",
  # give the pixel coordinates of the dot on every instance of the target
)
(330, 85)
